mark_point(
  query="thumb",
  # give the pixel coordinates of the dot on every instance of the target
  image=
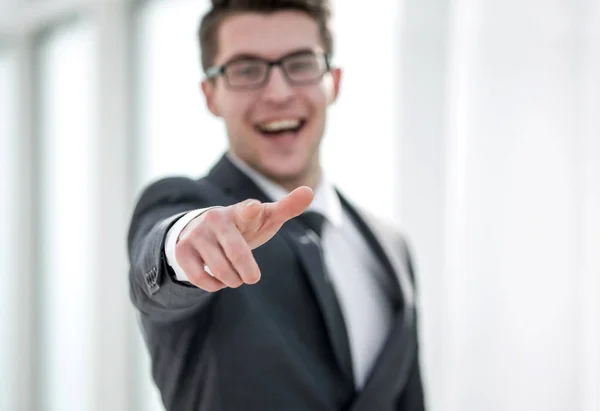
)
(247, 215)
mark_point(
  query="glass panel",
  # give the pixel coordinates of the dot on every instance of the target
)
(66, 209)
(361, 145)
(8, 314)
(7, 5)
(177, 134)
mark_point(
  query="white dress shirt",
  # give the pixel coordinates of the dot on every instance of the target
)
(353, 269)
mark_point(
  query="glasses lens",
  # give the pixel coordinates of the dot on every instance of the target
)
(304, 68)
(246, 73)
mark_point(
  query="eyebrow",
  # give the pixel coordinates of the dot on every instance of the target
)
(243, 56)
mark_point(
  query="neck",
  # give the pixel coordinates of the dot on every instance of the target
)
(310, 179)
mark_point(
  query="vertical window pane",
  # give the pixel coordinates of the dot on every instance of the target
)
(66, 209)
(7, 5)
(177, 133)
(8, 314)
(361, 145)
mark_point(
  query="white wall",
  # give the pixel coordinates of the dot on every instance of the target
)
(509, 294)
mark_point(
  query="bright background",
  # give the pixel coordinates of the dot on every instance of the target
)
(473, 125)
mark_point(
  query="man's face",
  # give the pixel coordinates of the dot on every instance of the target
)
(276, 128)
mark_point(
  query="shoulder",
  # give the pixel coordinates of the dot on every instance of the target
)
(171, 186)
(387, 227)
(396, 238)
(165, 198)
(175, 189)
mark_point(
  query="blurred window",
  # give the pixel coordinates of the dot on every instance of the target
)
(67, 209)
(8, 316)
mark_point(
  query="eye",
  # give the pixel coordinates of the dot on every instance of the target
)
(246, 69)
(302, 65)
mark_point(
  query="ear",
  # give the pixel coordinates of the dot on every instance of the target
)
(335, 77)
(208, 89)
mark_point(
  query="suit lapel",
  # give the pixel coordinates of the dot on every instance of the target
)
(305, 244)
(391, 258)
(393, 365)
(236, 184)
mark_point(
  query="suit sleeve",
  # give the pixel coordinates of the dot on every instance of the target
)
(154, 290)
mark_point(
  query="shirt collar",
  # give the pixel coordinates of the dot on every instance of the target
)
(326, 200)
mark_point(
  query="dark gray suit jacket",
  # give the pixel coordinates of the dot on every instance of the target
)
(279, 345)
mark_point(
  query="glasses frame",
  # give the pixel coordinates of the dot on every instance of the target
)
(221, 70)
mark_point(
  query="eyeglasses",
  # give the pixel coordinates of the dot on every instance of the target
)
(250, 73)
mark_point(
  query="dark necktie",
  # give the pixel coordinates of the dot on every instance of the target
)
(315, 221)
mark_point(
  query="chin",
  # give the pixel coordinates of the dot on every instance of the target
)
(282, 171)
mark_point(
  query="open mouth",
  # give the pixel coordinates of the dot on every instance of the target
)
(280, 127)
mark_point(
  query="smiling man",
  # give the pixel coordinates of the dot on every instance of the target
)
(260, 286)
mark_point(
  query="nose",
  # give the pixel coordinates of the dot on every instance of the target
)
(277, 90)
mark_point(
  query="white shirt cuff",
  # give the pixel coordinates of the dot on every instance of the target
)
(173, 237)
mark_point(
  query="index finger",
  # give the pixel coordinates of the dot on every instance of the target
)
(290, 206)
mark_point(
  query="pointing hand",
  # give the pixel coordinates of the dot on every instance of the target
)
(223, 238)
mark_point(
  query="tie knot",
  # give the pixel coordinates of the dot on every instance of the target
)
(314, 221)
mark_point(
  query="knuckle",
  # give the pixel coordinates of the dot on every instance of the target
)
(237, 253)
(199, 239)
(192, 271)
(195, 278)
(222, 272)
(204, 283)
(182, 250)
(231, 279)
(213, 217)
(219, 269)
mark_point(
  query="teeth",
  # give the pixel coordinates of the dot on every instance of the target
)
(281, 125)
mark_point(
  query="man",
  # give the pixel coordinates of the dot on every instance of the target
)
(259, 286)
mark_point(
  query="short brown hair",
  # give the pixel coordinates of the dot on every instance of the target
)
(320, 10)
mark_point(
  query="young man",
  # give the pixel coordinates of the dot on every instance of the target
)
(259, 286)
